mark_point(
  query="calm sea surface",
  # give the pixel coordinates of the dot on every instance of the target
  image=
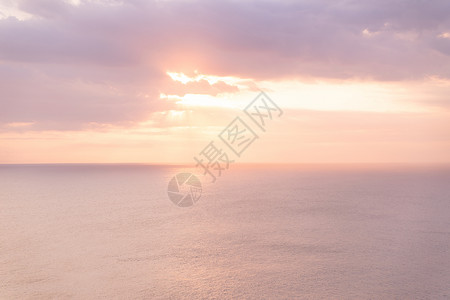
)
(304, 232)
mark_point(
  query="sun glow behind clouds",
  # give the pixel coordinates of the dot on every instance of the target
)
(221, 100)
(189, 100)
(350, 95)
(211, 79)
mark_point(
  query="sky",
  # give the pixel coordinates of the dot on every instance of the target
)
(156, 81)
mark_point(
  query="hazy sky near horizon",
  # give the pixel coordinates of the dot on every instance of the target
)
(156, 81)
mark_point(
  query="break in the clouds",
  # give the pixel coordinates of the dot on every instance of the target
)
(67, 64)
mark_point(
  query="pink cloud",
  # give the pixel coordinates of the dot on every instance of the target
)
(96, 62)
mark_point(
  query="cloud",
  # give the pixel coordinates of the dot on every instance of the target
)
(257, 39)
(106, 61)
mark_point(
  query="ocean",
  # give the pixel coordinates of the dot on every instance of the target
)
(258, 232)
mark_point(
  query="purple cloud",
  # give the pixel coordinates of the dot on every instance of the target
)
(106, 61)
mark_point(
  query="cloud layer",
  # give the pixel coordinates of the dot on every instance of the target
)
(106, 61)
